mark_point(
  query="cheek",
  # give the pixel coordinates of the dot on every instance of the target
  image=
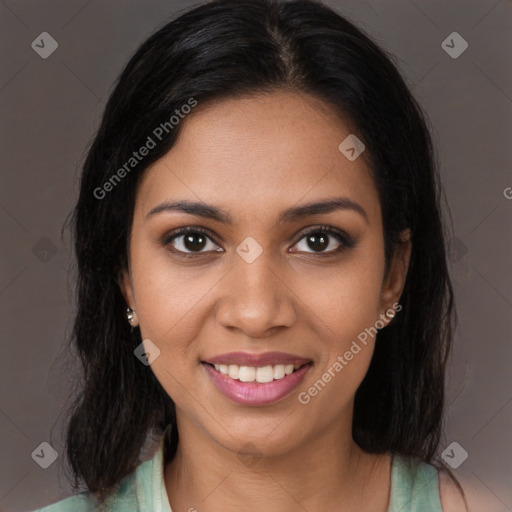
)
(344, 301)
(172, 305)
(344, 319)
(343, 310)
(168, 298)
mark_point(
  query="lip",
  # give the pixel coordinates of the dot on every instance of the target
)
(263, 359)
(255, 393)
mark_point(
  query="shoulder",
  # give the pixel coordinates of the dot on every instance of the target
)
(134, 492)
(451, 497)
(122, 499)
(79, 503)
(417, 486)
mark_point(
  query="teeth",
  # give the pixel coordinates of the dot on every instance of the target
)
(246, 373)
(264, 374)
(233, 371)
(261, 374)
(279, 371)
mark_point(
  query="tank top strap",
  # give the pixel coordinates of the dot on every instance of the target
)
(414, 486)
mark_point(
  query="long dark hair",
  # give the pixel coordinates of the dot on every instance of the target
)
(226, 49)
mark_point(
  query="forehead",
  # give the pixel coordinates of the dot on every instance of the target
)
(257, 154)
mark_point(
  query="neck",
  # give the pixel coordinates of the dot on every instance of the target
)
(326, 472)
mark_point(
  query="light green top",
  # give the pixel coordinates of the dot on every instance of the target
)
(414, 488)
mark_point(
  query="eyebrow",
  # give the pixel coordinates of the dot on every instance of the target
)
(292, 214)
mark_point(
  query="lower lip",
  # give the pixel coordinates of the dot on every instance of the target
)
(255, 393)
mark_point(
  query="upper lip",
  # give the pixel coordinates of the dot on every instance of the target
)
(263, 359)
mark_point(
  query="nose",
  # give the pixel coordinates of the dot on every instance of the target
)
(256, 298)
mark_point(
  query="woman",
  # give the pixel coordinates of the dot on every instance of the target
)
(263, 284)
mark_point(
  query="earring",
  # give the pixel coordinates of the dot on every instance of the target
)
(390, 314)
(130, 315)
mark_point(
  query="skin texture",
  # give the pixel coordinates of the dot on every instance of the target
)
(451, 498)
(254, 157)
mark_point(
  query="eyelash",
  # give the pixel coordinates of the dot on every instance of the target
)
(346, 241)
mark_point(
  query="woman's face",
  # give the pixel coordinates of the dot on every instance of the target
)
(256, 283)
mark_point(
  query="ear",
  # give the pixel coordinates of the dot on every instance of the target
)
(125, 283)
(395, 280)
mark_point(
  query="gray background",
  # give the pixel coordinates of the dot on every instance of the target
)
(50, 109)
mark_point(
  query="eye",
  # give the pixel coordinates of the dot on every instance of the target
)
(190, 240)
(321, 238)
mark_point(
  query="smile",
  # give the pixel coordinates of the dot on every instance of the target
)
(261, 374)
(256, 386)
